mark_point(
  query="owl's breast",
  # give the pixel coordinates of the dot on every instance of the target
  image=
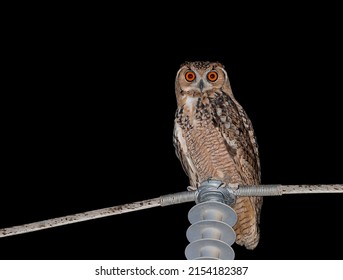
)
(217, 141)
(194, 110)
(210, 154)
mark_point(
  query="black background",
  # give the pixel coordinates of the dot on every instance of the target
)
(89, 124)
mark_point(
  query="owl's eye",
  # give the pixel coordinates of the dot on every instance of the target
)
(212, 76)
(190, 76)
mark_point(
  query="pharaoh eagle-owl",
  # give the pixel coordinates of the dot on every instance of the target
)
(214, 138)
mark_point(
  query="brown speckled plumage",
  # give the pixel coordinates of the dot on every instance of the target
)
(214, 138)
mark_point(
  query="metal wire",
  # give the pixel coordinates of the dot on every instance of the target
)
(277, 190)
(177, 198)
(165, 200)
(80, 217)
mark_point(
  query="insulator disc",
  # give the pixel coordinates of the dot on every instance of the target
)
(211, 229)
(209, 248)
(206, 258)
(212, 210)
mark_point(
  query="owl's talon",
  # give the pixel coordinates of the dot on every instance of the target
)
(221, 185)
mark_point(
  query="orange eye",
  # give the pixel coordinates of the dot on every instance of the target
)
(212, 76)
(190, 76)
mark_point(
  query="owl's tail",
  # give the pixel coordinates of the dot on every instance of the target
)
(247, 226)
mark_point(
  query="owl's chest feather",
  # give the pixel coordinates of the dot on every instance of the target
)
(214, 108)
(195, 112)
(210, 154)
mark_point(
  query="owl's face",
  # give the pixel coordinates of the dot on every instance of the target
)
(198, 78)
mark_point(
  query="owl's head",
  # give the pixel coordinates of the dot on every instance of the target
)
(199, 78)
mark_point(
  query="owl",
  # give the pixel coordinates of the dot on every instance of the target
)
(214, 139)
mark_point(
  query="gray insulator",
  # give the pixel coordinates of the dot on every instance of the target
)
(209, 249)
(211, 229)
(212, 210)
(211, 234)
(214, 190)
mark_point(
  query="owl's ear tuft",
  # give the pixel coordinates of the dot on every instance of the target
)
(218, 63)
(186, 63)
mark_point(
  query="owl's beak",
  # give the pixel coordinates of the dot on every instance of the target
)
(201, 85)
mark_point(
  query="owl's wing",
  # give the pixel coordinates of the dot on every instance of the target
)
(183, 156)
(240, 141)
(252, 142)
(239, 138)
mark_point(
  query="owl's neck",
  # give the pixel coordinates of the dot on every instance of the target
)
(211, 108)
(196, 110)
